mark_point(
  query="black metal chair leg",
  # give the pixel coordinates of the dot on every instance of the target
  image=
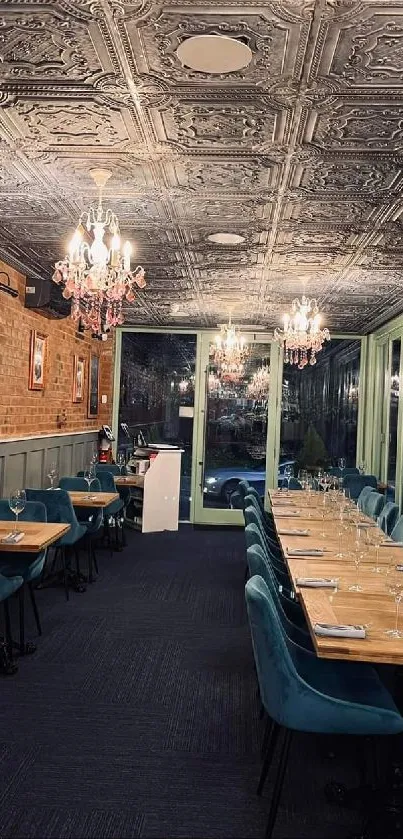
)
(65, 581)
(94, 559)
(89, 554)
(21, 603)
(117, 543)
(267, 732)
(7, 626)
(124, 540)
(271, 741)
(35, 608)
(278, 786)
(77, 556)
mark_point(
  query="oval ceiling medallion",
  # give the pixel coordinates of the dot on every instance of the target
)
(214, 54)
(226, 238)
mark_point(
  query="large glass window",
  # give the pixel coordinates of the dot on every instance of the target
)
(393, 412)
(236, 428)
(157, 385)
(320, 407)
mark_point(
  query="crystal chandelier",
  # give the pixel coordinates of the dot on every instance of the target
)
(97, 275)
(229, 352)
(258, 387)
(302, 336)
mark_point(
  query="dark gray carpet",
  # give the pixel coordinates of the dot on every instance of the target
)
(138, 717)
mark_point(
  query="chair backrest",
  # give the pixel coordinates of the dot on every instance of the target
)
(110, 467)
(258, 565)
(350, 470)
(294, 484)
(58, 505)
(373, 504)
(362, 496)
(280, 685)
(79, 484)
(388, 517)
(334, 470)
(244, 487)
(355, 483)
(33, 511)
(397, 532)
(106, 479)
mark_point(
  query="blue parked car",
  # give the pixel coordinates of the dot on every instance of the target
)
(221, 483)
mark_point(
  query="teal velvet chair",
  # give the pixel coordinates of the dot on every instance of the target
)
(363, 497)
(252, 515)
(397, 532)
(115, 470)
(258, 566)
(29, 566)
(373, 504)
(388, 517)
(114, 510)
(303, 693)
(290, 605)
(91, 517)
(355, 483)
(294, 483)
(8, 586)
(237, 497)
(60, 510)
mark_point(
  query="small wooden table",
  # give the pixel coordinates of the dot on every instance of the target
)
(37, 535)
(129, 480)
(96, 499)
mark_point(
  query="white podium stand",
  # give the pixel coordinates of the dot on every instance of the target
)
(156, 499)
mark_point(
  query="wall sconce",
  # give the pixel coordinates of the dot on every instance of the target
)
(6, 286)
(61, 419)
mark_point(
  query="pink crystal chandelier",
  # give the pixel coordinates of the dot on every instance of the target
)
(229, 353)
(258, 387)
(97, 274)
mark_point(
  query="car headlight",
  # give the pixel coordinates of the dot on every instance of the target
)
(211, 481)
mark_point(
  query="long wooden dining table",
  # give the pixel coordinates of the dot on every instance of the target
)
(373, 607)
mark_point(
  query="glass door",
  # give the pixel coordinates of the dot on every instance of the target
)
(394, 388)
(237, 430)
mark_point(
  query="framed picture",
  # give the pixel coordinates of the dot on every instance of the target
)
(78, 378)
(37, 360)
(93, 387)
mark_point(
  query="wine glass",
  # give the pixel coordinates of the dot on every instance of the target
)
(394, 584)
(120, 461)
(358, 554)
(52, 473)
(362, 468)
(89, 476)
(341, 463)
(288, 470)
(17, 502)
(374, 538)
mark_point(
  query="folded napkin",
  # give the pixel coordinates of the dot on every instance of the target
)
(391, 544)
(340, 631)
(295, 532)
(283, 501)
(13, 538)
(305, 552)
(316, 582)
(399, 567)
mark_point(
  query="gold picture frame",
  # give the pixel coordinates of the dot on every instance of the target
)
(37, 360)
(78, 378)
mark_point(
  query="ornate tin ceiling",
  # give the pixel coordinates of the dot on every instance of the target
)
(300, 152)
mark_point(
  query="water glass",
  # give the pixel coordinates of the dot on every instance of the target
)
(120, 461)
(375, 537)
(341, 462)
(288, 471)
(394, 585)
(89, 476)
(17, 502)
(52, 474)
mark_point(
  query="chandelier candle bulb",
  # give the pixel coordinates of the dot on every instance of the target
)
(127, 252)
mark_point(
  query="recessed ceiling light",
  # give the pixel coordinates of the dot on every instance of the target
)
(226, 238)
(214, 54)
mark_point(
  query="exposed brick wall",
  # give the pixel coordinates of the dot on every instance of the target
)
(23, 411)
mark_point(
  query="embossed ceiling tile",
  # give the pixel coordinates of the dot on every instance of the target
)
(357, 125)
(54, 125)
(239, 126)
(337, 213)
(380, 259)
(276, 38)
(235, 212)
(127, 175)
(136, 212)
(226, 175)
(313, 239)
(50, 44)
(347, 176)
(366, 48)
(300, 259)
(19, 206)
